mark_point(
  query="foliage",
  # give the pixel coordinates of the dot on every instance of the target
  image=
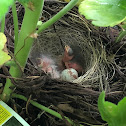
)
(115, 115)
(24, 1)
(78, 3)
(4, 6)
(4, 57)
(104, 12)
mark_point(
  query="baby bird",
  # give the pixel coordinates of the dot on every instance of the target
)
(73, 58)
(49, 66)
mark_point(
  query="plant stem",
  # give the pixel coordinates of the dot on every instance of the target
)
(60, 14)
(3, 24)
(121, 36)
(52, 112)
(15, 20)
(24, 45)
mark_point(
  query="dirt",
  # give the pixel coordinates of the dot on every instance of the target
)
(76, 101)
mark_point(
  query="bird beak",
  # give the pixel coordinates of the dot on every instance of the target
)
(40, 62)
(67, 48)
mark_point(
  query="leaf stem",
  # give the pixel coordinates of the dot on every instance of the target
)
(23, 45)
(36, 104)
(60, 14)
(3, 24)
(121, 36)
(15, 20)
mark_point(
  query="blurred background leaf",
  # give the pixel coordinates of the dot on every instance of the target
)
(4, 57)
(4, 7)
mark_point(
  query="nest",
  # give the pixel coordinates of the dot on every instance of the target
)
(71, 30)
(77, 100)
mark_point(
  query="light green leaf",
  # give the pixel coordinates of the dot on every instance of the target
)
(4, 6)
(122, 111)
(4, 57)
(24, 1)
(104, 12)
(27, 3)
(114, 115)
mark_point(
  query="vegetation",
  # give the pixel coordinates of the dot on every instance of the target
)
(113, 114)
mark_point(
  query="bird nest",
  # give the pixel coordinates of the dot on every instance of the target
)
(76, 100)
(73, 29)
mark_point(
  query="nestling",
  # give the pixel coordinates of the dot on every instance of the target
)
(49, 66)
(73, 58)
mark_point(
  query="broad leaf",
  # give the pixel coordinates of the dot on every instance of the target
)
(114, 115)
(104, 12)
(24, 1)
(4, 6)
(78, 3)
(4, 57)
(27, 3)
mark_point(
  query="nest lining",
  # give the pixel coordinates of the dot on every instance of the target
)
(53, 40)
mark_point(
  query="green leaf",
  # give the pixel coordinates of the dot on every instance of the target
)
(123, 25)
(10, 63)
(24, 1)
(104, 12)
(4, 6)
(114, 115)
(4, 57)
(27, 3)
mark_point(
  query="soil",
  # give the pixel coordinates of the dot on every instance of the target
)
(76, 101)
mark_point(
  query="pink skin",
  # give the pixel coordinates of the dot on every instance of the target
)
(67, 59)
(48, 66)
